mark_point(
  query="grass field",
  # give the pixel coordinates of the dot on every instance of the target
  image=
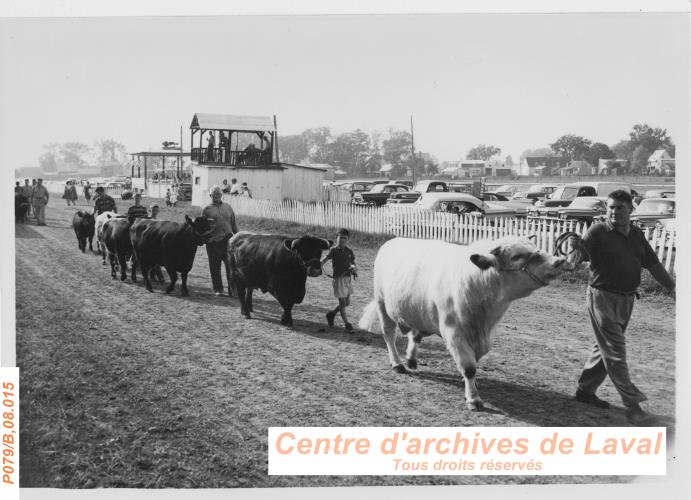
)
(125, 388)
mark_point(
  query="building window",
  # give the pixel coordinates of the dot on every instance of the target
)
(197, 180)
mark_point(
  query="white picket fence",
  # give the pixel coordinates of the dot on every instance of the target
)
(412, 223)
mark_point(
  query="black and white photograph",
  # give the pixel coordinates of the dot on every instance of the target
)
(230, 223)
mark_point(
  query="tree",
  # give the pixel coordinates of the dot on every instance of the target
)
(623, 150)
(350, 151)
(74, 153)
(293, 148)
(396, 149)
(650, 138)
(598, 151)
(482, 152)
(48, 161)
(110, 150)
(509, 161)
(639, 161)
(570, 146)
(317, 141)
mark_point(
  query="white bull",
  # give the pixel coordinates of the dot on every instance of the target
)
(459, 292)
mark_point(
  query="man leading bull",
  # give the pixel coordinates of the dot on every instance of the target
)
(223, 227)
(617, 250)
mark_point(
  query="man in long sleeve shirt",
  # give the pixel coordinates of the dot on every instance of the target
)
(223, 227)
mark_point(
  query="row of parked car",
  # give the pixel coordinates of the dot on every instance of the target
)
(580, 201)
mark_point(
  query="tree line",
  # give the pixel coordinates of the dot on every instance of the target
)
(643, 141)
(78, 155)
(357, 153)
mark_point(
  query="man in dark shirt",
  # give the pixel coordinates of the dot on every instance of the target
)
(103, 202)
(137, 210)
(617, 250)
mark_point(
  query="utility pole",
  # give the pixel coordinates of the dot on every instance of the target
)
(180, 162)
(412, 147)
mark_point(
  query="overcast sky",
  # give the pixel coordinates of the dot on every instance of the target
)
(515, 81)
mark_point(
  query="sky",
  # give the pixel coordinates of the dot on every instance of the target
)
(514, 81)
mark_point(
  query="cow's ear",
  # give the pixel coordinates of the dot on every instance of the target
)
(326, 244)
(289, 244)
(496, 250)
(481, 261)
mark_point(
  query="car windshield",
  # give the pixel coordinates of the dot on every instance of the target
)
(378, 188)
(585, 203)
(656, 206)
(569, 193)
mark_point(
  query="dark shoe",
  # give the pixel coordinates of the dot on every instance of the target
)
(639, 418)
(591, 399)
(349, 327)
(330, 318)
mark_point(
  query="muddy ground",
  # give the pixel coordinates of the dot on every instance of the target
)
(124, 388)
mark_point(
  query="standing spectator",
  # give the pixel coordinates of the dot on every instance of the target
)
(103, 202)
(39, 200)
(617, 251)
(137, 210)
(154, 210)
(67, 194)
(26, 191)
(87, 192)
(210, 146)
(343, 262)
(73, 193)
(174, 195)
(225, 188)
(223, 144)
(168, 197)
(234, 187)
(245, 191)
(223, 227)
(17, 187)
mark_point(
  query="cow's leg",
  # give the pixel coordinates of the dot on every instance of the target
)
(287, 318)
(388, 329)
(103, 253)
(146, 269)
(113, 272)
(183, 289)
(173, 278)
(248, 302)
(134, 265)
(91, 246)
(414, 339)
(466, 362)
(122, 260)
(245, 296)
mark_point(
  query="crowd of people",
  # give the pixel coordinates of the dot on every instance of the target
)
(236, 189)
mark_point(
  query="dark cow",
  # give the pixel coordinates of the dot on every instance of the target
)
(84, 226)
(275, 264)
(116, 239)
(172, 245)
(21, 207)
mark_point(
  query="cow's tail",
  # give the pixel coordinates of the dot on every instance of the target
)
(370, 316)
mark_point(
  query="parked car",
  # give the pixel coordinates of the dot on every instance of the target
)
(652, 210)
(354, 186)
(659, 193)
(421, 187)
(563, 196)
(378, 195)
(584, 209)
(536, 192)
(508, 190)
(463, 203)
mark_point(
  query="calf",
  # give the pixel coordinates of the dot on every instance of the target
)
(459, 292)
(100, 221)
(84, 224)
(275, 264)
(21, 207)
(171, 245)
(117, 243)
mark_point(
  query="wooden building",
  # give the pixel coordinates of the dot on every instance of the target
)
(226, 147)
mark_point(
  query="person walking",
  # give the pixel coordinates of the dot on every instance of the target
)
(39, 200)
(617, 250)
(343, 262)
(223, 227)
(87, 192)
(27, 189)
(103, 202)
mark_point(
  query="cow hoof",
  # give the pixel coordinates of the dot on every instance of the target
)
(412, 364)
(399, 368)
(184, 293)
(246, 315)
(123, 278)
(475, 405)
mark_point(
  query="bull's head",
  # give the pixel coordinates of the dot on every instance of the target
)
(308, 251)
(201, 228)
(519, 258)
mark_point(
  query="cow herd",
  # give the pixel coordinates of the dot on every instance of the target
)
(421, 287)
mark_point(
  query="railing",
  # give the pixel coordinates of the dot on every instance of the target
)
(412, 223)
(222, 156)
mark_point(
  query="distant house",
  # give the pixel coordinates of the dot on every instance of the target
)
(332, 172)
(617, 166)
(531, 163)
(661, 163)
(498, 167)
(454, 172)
(577, 167)
(473, 168)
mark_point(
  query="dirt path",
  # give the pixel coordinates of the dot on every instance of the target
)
(121, 387)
